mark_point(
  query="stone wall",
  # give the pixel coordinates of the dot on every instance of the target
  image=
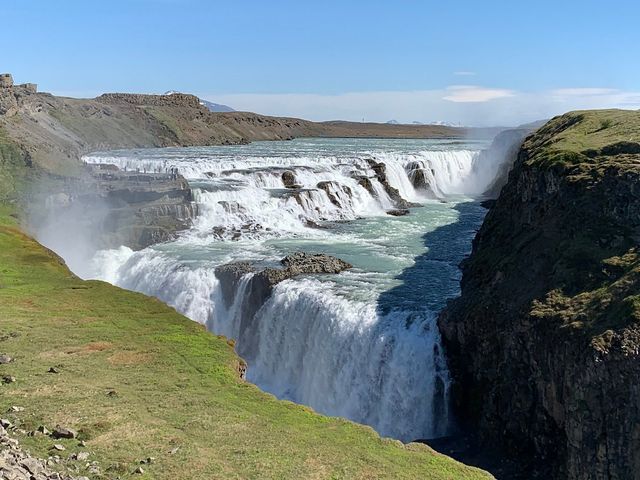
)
(6, 80)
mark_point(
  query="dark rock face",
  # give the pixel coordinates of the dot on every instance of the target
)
(544, 342)
(123, 208)
(418, 174)
(330, 187)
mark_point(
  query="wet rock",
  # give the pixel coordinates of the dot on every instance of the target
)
(229, 275)
(365, 182)
(259, 287)
(301, 262)
(289, 179)
(380, 170)
(330, 188)
(398, 212)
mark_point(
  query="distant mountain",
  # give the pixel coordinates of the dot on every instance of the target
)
(216, 107)
(415, 122)
(444, 124)
(213, 107)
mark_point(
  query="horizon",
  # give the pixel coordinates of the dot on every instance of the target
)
(472, 66)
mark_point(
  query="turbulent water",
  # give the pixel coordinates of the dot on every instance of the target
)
(362, 344)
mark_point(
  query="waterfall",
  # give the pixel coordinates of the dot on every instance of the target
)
(324, 342)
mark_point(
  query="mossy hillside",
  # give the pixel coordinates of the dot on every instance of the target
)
(13, 168)
(137, 380)
(584, 243)
(587, 139)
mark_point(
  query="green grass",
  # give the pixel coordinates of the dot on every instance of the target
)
(594, 129)
(175, 385)
(12, 168)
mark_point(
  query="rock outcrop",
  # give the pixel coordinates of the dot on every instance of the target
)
(116, 208)
(6, 80)
(15, 463)
(380, 170)
(544, 342)
(260, 284)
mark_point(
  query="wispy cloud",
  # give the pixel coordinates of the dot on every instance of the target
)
(473, 93)
(583, 91)
(466, 104)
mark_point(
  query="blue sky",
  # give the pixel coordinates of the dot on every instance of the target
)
(467, 61)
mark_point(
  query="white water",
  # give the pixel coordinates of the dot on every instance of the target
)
(362, 344)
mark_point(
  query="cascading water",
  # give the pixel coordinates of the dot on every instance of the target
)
(362, 344)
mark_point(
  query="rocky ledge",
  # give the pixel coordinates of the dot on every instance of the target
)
(544, 341)
(114, 207)
(258, 287)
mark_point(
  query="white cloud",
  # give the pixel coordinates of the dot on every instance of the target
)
(472, 93)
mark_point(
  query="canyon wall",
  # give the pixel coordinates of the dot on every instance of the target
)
(544, 341)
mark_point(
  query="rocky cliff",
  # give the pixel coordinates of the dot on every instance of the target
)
(544, 341)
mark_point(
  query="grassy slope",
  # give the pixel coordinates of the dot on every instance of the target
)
(176, 386)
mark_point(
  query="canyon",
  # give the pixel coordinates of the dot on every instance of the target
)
(539, 352)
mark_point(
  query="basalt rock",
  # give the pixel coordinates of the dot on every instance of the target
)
(289, 179)
(398, 212)
(330, 188)
(380, 170)
(259, 286)
(544, 341)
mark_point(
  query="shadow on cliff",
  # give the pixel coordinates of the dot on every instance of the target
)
(435, 276)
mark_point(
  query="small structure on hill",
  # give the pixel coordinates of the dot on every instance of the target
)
(6, 80)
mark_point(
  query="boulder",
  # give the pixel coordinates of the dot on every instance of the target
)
(398, 212)
(289, 179)
(63, 432)
(5, 359)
